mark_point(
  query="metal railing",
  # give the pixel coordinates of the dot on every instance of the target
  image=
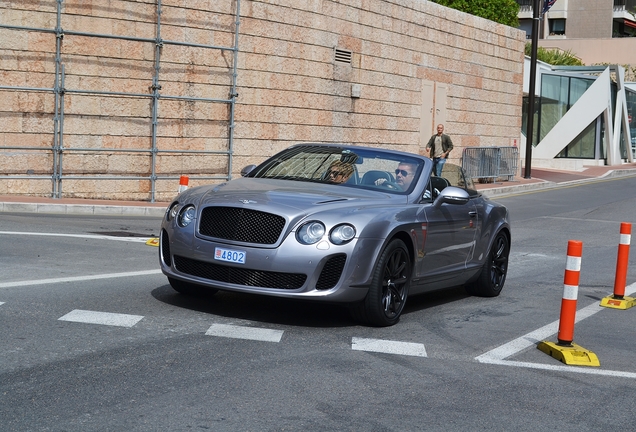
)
(490, 162)
(624, 4)
(59, 90)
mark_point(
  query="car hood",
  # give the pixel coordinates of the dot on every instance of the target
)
(287, 197)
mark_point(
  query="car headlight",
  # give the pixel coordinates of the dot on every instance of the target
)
(310, 233)
(172, 211)
(186, 216)
(342, 234)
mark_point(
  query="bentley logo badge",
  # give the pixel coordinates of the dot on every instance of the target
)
(248, 201)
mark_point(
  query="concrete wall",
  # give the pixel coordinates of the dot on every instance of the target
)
(416, 64)
(621, 51)
(589, 19)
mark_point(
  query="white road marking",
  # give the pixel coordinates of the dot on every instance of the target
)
(1, 303)
(564, 368)
(499, 354)
(86, 236)
(103, 318)
(77, 278)
(242, 332)
(388, 347)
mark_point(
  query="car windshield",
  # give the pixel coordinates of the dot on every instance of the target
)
(364, 168)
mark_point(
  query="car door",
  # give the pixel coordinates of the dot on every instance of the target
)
(450, 230)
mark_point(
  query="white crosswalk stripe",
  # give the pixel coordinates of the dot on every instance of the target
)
(388, 347)
(103, 318)
(242, 332)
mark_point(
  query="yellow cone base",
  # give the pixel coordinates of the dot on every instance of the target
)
(153, 242)
(574, 355)
(614, 303)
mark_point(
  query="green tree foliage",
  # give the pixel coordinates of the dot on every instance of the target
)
(555, 57)
(501, 11)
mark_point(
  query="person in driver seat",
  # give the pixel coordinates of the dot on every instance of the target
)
(404, 175)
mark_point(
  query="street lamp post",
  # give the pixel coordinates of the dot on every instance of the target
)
(533, 77)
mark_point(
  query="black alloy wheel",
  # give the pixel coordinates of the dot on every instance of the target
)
(493, 275)
(389, 288)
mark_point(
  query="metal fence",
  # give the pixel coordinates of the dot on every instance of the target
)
(490, 162)
(59, 90)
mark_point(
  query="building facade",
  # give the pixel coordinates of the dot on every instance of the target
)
(581, 19)
(584, 115)
(116, 99)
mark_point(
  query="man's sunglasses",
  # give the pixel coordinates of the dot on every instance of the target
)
(337, 173)
(404, 173)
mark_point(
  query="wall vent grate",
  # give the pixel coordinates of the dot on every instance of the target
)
(343, 56)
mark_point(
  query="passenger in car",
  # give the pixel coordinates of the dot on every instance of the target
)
(339, 172)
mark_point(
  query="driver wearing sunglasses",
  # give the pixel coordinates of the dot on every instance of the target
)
(404, 175)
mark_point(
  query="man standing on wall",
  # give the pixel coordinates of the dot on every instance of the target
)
(439, 147)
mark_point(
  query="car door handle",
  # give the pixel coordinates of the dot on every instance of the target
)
(472, 213)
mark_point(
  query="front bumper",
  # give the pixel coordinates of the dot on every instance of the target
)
(323, 272)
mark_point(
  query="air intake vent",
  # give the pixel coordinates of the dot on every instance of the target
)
(343, 56)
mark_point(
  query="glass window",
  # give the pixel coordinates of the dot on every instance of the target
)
(554, 102)
(558, 94)
(582, 147)
(630, 97)
(347, 166)
(557, 26)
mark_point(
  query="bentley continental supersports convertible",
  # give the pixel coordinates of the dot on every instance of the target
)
(338, 223)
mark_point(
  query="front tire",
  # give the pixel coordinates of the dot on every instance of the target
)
(491, 280)
(389, 288)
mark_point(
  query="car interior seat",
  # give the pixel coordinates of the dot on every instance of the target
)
(438, 184)
(370, 177)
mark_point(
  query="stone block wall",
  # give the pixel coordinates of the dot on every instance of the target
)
(414, 62)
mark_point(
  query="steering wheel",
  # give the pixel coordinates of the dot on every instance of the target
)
(392, 185)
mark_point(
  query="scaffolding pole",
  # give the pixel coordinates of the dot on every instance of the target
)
(59, 91)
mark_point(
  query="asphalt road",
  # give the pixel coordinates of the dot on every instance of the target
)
(94, 339)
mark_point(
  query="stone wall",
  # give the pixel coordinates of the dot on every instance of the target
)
(414, 63)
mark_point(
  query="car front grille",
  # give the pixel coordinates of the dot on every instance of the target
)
(331, 272)
(243, 225)
(239, 276)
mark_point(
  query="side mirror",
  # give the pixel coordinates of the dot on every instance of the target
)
(451, 195)
(248, 169)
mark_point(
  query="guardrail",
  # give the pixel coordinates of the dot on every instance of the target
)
(490, 162)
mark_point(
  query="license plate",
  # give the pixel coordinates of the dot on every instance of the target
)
(230, 255)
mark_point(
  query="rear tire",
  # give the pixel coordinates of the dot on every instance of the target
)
(491, 280)
(190, 289)
(389, 288)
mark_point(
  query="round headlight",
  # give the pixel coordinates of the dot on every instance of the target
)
(310, 233)
(342, 234)
(171, 213)
(187, 215)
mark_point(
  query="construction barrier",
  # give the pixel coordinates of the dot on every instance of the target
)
(490, 162)
(565, 350)
(570, 293)
(619, 300)
(183, 183)
(622, 260)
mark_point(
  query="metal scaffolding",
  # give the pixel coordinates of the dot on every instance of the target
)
(59, 91)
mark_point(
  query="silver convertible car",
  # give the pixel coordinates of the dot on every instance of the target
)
(337, 223)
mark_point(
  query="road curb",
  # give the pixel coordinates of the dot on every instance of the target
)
(82, 209)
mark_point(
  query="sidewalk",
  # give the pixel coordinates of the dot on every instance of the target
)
(540, 179)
